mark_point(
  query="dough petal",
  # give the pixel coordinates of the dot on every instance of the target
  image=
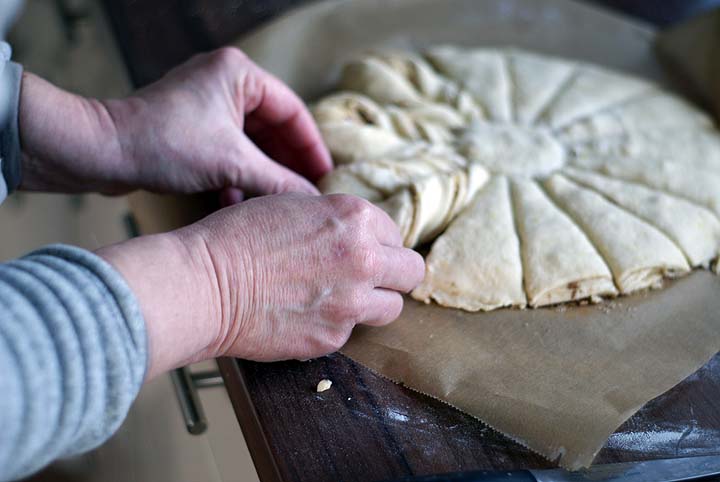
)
(658, 109)
(401, 209)
(340, 115)
(694, 228)
(475, 265)
(536, 80)
(638, 254)
(697, 185)
(350, 107)
(693, 146)
(343, 180)
(388, 173)
(423, 209)
(349, 143)
(438, 199)
(560, 263)
(379, 81)
(482, 72)
(591, 90)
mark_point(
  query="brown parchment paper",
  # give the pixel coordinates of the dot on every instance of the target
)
(559, 380)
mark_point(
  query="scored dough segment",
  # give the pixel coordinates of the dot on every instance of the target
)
(475, 265)
(534, 180)
(693, 228)
(638, 254)
(560, 262)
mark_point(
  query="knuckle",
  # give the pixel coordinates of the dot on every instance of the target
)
(364, 262)
(339, 201)
(351, 208)
(394, 310)
(227, 56)
(363, 212)
(418, 266)
(394, 234)
(295, 185)
(281, 185)
(346, 310)
(389, 312)
(337, 339)
(351, 310)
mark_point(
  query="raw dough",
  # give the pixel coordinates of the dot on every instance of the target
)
(693, 228)
(536, 180)
(560, 262)
(323, 385)
(638, 254)
(475, 265)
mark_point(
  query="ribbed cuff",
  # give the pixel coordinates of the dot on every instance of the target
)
(74, 347)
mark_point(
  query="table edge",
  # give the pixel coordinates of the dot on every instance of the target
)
(255, 438)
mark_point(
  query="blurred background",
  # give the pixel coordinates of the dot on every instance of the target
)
(70, 43)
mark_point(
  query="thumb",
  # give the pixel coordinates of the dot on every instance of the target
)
(261, 175)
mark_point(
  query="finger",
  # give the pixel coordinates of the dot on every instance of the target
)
(400, 269)
(261, 175)
(230, 196)
(387, 232)
(384, 306)
(274, 111)
(267, 139)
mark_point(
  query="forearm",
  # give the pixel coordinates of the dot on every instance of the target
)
(186, 133)
(173, 280)
(69, 143)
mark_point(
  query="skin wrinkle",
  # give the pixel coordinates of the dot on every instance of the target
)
(211, 268)
(253, 96)
(88, 124)
(105, 122)
(254, 301)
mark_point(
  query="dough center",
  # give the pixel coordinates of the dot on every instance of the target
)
(512, 149)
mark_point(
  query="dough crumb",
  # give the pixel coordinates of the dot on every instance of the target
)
(323, 385)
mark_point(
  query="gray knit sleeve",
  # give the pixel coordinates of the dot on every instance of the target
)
(73, 355)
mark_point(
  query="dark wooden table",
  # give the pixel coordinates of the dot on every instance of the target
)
(367, 428)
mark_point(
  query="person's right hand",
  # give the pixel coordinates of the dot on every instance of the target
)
(277, 277)
(296, 273)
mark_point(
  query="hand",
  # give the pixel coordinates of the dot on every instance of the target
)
(273, 278)
(192, 131)
(297, 273)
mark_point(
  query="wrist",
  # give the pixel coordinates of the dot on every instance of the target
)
(169, 279)
(227, 267)
(70, 143)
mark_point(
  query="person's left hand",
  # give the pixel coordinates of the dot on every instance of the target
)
(218, 121)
